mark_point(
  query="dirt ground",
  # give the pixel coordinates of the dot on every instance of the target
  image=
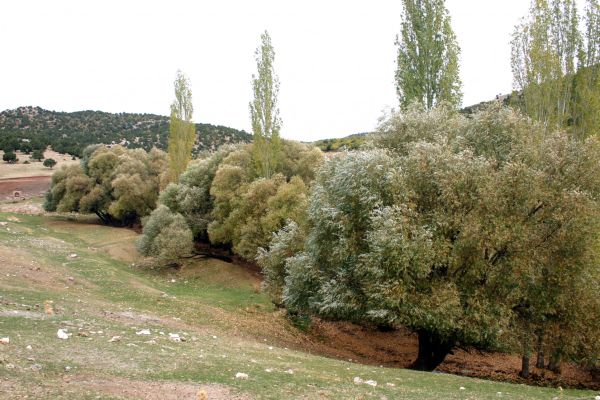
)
(27, 186)
(399, 349)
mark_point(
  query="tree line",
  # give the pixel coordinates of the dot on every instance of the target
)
(474, 230)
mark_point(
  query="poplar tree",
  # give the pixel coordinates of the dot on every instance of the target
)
(264, 112)
(545, 49)
(182, 131)
(427, 71)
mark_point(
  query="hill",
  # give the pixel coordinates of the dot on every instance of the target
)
(72, 132)
(135, 332)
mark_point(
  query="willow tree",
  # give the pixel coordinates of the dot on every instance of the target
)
(182, 131)
(427, 71)
(264, 112)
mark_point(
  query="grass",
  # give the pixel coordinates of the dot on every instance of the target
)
(229, 327)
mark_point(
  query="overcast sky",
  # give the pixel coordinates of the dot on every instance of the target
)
(335, 59)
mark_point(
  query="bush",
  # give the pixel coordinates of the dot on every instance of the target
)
(49, 163)
(166, 236)
(10, 157)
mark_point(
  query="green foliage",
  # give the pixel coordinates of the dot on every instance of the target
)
(352, 142)
(49, 163)
(182, 132)
(166, 236)
(427, 72)
(72, 132)
(10, 157)
(555, 66)
(461, 229)
(37, 155)
(117, 184)
(264, 112)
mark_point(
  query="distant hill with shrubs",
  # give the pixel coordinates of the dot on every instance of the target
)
(34, 127)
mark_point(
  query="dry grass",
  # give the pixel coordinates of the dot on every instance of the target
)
(34, 168)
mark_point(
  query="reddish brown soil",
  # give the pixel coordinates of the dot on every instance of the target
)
(399, 349)
(29, 187)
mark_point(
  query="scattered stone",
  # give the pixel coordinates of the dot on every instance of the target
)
(4, 340)
(36, 367)
(143, 332)
(390, 384)
(174, 337)
(72, 255)
(10, 366)
(270, 347)
(173, 281)
(214, 337)
(289, 371)
(151, 341)
(241, 375)
(61, 334)
(371, 382)
(115, 339)
(462, 388)
(29, 347)
(597, 398)
(358, 380)
(269, 370)
(67, 368)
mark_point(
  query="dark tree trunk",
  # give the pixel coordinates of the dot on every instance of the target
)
(432, 351)
(524, 366)
(540, 362)
(554, 364)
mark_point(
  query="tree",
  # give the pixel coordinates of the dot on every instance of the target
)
(49, 163)
(556, 66)
(182, 131)
(470, 233)
(427, 72)
(37, 155)
(264, 112)
(166, 236)
(10, 157)
(26, 147)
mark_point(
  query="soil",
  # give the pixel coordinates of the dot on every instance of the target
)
(29, 187)
(399, 349)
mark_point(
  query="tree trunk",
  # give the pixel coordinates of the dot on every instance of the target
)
(540, 362)
(432, 351)
(524, 366)
(554, 364)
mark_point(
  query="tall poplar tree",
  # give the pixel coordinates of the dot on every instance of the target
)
(427, 71)
(264, 112)
(545, 52)
(182, 131)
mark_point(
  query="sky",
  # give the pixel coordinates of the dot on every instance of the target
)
(335, 58)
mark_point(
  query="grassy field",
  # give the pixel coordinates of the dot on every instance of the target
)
(72, 274)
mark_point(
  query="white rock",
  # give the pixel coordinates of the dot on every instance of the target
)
(29, 347)
(462, 388)
(390, 384)
(67, 368)
(357, 380)
(114, 339)
(61, 334)
(371, 382)
(241, 375)
(72, 255)
(214, 337)
(4, 340)
(289, 371)
(269, 370)
(270, 347)
(597, 398)
(174, 337)
(173, 281)
(143, 332)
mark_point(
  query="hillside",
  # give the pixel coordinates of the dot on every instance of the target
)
(71, 132)
(133, 332)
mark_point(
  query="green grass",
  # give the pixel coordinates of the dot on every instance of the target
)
(228, 324)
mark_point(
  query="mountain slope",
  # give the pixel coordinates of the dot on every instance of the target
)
(71, 132)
